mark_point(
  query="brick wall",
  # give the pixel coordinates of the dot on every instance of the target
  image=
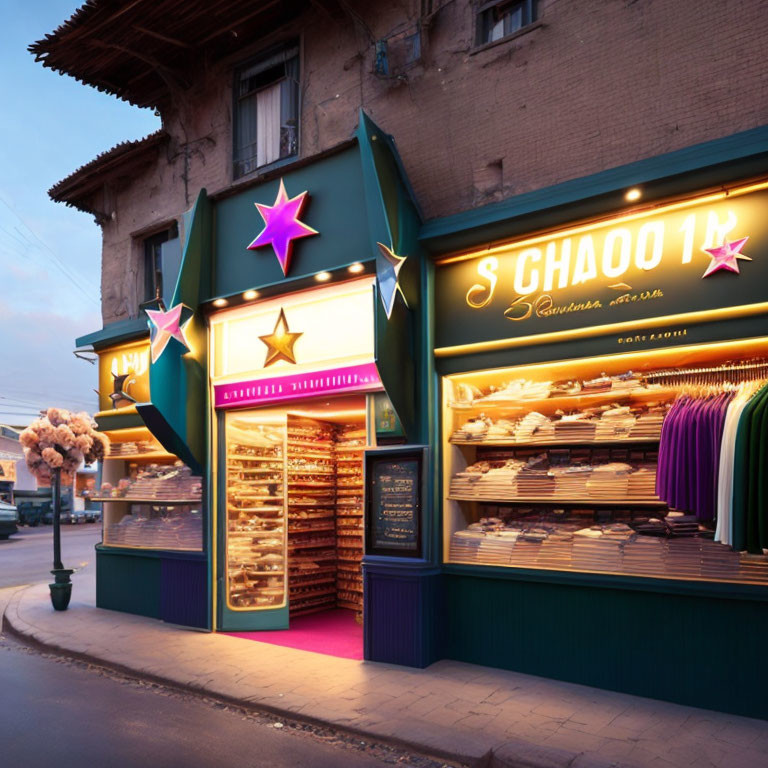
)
(598, 84)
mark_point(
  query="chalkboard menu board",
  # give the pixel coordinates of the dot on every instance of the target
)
(393, 503)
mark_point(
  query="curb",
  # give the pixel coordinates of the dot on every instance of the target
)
(508, 754)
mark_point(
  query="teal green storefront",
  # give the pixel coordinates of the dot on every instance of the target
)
(691, 640)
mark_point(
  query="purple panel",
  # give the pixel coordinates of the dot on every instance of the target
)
(399, 617)
(184, 592)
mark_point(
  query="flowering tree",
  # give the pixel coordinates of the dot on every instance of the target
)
(54, 447)
(61, 441)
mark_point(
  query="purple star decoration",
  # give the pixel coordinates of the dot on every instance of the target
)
(282, 226)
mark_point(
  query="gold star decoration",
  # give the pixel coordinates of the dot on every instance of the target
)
(280, 342)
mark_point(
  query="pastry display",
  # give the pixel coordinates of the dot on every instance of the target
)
(350, 444)
(255, 458)
(608, 422)
(294, 513)
(572, 474)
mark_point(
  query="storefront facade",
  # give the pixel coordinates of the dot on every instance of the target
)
(453, 428)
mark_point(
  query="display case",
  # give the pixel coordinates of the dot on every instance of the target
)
(349, 449)
(311, 515)
(150, 499)
(563, 466)
(255, 445)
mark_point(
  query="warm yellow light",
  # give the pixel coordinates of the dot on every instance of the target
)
(323, 277)
(356, 267)
(633, 194)
(249, 295)
(603, 223)
(220, 303)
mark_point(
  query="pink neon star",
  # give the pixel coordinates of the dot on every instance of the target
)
(282, 226)
(725, 256)
(165, 326)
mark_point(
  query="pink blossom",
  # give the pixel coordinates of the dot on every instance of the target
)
(83, 443)
(52, 457)
(28, 438)
(64, 436)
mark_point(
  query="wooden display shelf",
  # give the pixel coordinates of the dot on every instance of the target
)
(149, 456)
(310, 571)
(315, 593)
(303, 452)
(296, 442)
(350, 559)
(311, 530)
(265, 574)
(341, 448)
(311, 503)
(555, 443)
(325, 544)
(254, 533)
(311, 484)
(254, 483)
(256, 470)
(270, 508)
(583, 502)
(246, 457)
(298, 471)
(574, 402)
(347, 588)
(156, 502)
(327, 580)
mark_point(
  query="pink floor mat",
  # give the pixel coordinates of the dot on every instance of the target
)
(334, 633)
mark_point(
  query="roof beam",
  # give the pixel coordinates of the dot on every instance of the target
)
(164, 38)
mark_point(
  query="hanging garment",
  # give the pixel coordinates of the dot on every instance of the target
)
(724, 530)
(743, 468)
(689, 453)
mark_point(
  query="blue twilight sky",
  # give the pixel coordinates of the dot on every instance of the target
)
(49, 254)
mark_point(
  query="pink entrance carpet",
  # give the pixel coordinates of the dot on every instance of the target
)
(334, 633)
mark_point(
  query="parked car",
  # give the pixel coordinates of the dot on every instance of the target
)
(9, 518)
(29, 513)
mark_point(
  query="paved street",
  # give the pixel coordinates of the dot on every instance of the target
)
(25, 558)
(65, 714)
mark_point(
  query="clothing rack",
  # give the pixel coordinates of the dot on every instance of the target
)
(729, 372)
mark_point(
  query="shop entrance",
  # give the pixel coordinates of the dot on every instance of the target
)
(293, 538)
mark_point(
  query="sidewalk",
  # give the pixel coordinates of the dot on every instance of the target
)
(472, 714)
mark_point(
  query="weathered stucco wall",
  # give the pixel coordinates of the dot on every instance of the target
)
(597, 84)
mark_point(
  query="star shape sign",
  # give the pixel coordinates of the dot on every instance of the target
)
(726, 256)
(280, 342)
(164, 326)
(388, 266)
(282, 226)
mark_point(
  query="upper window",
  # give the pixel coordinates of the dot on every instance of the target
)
(162, 256)
(266, 113)
(499, 19)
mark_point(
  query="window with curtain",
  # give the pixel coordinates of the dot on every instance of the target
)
(501, 18)
(266, 112)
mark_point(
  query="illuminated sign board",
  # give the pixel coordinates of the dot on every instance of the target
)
(316, 342)
(124, 375)
(7, 471)
(694, 255)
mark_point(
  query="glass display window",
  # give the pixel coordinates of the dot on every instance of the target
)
(150, 499)
(626, 464)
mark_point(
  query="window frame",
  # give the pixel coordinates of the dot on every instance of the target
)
(251, 61)
(155, 241)
(530, 20)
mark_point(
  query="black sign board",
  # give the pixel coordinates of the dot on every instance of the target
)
(393, 492)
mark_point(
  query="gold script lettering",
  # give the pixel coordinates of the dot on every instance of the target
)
(486, 268)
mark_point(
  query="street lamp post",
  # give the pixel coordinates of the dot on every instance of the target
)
(61, 589)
